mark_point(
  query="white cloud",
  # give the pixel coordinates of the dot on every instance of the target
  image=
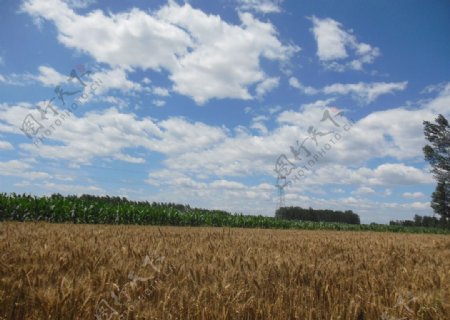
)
(259, 126)
(331, 39)
(110, 133)
(50, 77)
(225, 184)
(15, 79)
(433, 88)
(159, 103)
(115, 101)
(260, 118)
(194, 47)
(399, 174)
(146, 80)
(72, 188)
(275, 109)
(21, 169)
(5, 145)
(413, 195)
(387, 175)
(220, 193)
(79, 4)
(365, 92)
(196, 153)
(420, 205)
(128, 158)
(47, 76)
(159, 91)
(114, 79)
(266, 86)
(116, 39)
(232, 195)
(363, 190)
(395, 133)
(263, 6)
(101, 134)
(334, 44)
(205, 73)
(293, 82)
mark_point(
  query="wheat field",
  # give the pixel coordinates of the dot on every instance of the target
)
(63, 271)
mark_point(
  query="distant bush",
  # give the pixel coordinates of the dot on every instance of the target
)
(298, 213)
(422, 221)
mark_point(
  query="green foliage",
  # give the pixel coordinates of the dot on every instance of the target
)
(298, 213)
(440, 200)
(115, 210)
(422, 221)
(438, 155)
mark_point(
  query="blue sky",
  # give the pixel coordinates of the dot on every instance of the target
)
(194, 102)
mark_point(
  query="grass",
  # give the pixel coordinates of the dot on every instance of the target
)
(66, 271)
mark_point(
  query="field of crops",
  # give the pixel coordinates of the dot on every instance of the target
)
(74, 271)
(106, 210)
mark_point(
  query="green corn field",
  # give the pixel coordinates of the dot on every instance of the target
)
(114, 210)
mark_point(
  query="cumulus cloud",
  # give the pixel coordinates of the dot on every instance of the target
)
(159, 91)
(64, 188)
(114, 79)
(21, 169)
(111, 79)
(159, 103)
(197, 154)
(295, 83)
(363, 93)
(15, 79)
(232, 195)
(266, 86)
(79, 4)
(109, 133)
(46, 76)
(413, 195)
(198, 147)
(338, 49)
(262, 6)
(387, 175)
(50, 77)
(363, 190)
(5, 145)
(395, 133)
(194, 47)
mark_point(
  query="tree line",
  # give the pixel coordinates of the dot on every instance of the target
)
(422, 221)
(310, 214)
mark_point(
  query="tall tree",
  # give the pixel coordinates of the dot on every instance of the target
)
(438, 155)
(440, 200)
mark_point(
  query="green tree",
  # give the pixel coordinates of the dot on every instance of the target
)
(440, 200)
(438, 155)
